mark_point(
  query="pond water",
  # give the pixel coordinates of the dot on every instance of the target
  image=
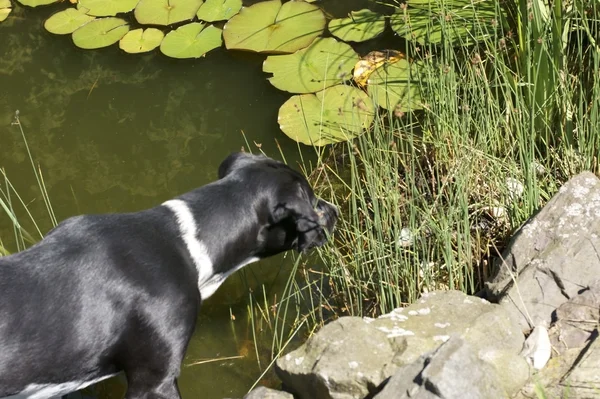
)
(114, 132)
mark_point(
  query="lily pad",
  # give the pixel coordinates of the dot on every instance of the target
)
(100, 33)
(166, 12)
(218, 10)
(141, 40)
(67, 21)
(395, 85)
(360, 26)
(191, 40)
(35, 3)
(5, 9)
(338, 113)
(326, 62)
(271, 27)
(105, 8)
(461, 22)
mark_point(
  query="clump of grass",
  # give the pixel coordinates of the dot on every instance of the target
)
(428, 199)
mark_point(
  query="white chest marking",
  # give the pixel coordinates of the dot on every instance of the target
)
(209, 288)
(189, 235)
(208, 280)
(48, 391)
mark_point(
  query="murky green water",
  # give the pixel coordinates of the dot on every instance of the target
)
(114, 132)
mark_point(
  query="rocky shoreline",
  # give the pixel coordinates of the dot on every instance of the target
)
(534, 333)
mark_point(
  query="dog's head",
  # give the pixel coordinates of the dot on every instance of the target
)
(294, 218)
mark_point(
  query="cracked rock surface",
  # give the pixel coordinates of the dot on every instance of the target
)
(553, 256)
(353, 357)
(442, 375)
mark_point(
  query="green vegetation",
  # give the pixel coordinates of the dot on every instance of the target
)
(191, 40)
(141, 40)
(273, 27)
(326, 62)
(17, 210)
(100, 33)
(5, 9)
(502, 115)
(359, 26)
(429, 198)
(335, 114)
(67, 21)
(310, 63)
(498, 119)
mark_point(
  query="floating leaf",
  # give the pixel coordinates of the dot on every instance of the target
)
(271, 27)
(370, 62)
(338, 113)
(105, 8)
(395, 85)
(100, 33)
(141, 40)
(326, 62)
(67, 21)
(166, 12)
(5, 9)
(360, 26)
(35, 3)
(218, 10)
(191, 41)
(460, 21)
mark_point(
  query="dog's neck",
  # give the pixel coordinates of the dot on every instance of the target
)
(209, 277)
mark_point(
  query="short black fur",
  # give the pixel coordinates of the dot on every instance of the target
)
(102, 294)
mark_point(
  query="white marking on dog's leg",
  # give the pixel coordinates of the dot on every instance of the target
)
(189, 232)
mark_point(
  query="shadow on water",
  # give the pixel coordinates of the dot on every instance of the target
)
(114, 133)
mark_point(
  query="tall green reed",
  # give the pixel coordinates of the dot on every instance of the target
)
(15, 208)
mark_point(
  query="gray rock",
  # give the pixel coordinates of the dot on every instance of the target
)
(553, 256)
(406, 383)
(488, 328)
(576, 320)
(346, 359)
(453, 371)
(573, 375)
(584, 379)
(268, 393)
(350, 357)
(573, 337)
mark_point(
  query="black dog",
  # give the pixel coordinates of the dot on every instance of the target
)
(101, 294)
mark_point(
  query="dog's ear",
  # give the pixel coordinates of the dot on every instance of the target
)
(239, 160)
(298, 209)
(229, 164)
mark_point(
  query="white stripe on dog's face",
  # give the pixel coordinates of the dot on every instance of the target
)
(189, 234)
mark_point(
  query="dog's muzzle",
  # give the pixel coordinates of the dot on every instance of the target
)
(328, 215)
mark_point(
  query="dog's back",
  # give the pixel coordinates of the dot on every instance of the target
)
(70, 299)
